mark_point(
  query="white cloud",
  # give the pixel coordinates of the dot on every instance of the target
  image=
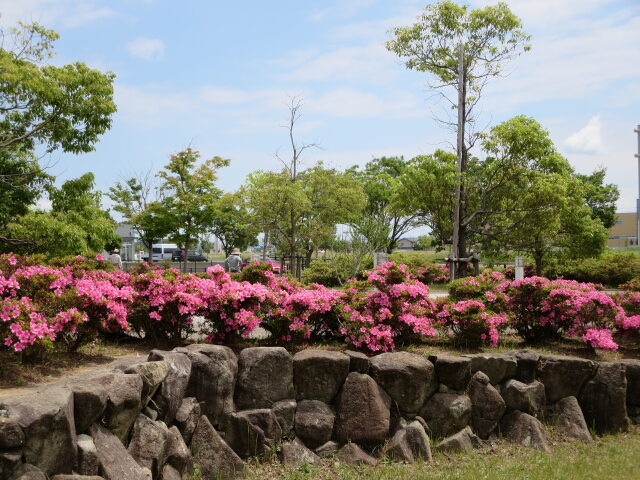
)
(151, 49)
(66, 13)
(588, 139)
(351, 102)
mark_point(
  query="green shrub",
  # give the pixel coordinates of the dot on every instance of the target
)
(255, 272)
(612, 269)
(412, 259)
(325, 273)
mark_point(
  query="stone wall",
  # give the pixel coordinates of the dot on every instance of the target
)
(204, 408)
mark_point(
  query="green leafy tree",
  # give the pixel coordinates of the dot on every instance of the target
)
(75, 225)
(233, 224)
(189, 196)
(600, 197)
(43, 107)
(487, 37)
(379, 178)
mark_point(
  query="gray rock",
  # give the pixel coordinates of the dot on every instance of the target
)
(50, 435)
(526, 397)
(252, 432)
(114, 460)
(285, 411)
(10, 460)
(170, 473)
(319, 374)
(87, 456)
(564, 376)
(124, 403)
(211, 455)
(148, 443)
(527, 361)
(358, 361)
(187, 417)
(568, 418)
(352, 454)
(314, 422)
(409, 379)
(265, 376)
(28, 472)
(169, 396)
(461, 442)
(152, 375)
(525, 430)
(90, 400)
(633, 380)
(410, 444)
(177, 453)
(11, 434)
(214, 370)
(77, 477)
(327, 449)
(454, 372)
(446, 413)
(363, 411)
(604, 399)
(487, 405)
(497, 367)
(295, 454)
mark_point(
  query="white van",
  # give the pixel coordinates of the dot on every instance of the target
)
(161, 251)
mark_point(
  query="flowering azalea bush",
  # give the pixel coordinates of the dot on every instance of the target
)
(391, 308)
(471, 323)
(481, 288)
(432, 273)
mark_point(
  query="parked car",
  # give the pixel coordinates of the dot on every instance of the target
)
(192, 256)
(160, 251)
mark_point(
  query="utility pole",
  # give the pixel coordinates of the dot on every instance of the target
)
(637, 155)
(455, 250)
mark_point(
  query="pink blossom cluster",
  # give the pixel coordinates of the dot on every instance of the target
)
(472, 323)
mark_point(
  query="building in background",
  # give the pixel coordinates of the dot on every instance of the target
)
(624, 232)
(130, 242)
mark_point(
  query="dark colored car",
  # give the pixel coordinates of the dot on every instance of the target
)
(176, 256)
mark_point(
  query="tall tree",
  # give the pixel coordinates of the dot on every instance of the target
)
(461, 49)
(380, 180)
(233, 224)
(190, 195)
(600, 197)
(43, 107)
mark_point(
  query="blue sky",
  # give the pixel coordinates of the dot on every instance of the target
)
(217, 76)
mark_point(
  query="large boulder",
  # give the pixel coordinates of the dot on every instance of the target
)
(604, 399)
(211, 455)
(314, 422)
(152, 375)
(172, 390)
(568, 418)
(252, 432)
(114, 460)
(87, 463)
(527, 361)
(352, 454)
(47, 420)
(409, 379)
(214, 370)
(410, 444)
(27, 471)
(319, 374)
(462, 442)
(124, 404)
(148, 443)
(564, 376)
(11, 434)
(187, 417)
(265, 376)
(170, 473)
(497, 367)
(523, 429)
(89, 401)
(177, 453)
(526, 397)
(295, 454)
(454, 372)
(446, 413)
(285, 411)
(633, 380)
(363, 411)
(487, 405)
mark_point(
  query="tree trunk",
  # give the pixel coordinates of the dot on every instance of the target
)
(538, 256)
(186, 255)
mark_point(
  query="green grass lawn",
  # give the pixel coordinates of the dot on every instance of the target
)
(610, 457)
